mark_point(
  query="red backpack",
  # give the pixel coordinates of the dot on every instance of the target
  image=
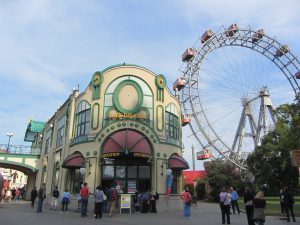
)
(113, 195)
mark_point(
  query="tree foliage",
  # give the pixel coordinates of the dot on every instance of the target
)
(271, 163)
(222, 174)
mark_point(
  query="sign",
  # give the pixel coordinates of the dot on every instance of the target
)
(129, 154)
(125, 202)
(131, 186)
(118, 115)
(296, 158)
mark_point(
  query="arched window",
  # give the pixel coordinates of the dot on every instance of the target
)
(172, 121)
(83, 118)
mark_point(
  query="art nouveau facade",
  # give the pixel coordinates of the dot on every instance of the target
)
(124, 128)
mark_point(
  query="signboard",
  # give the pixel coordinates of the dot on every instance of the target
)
(125, 202)
(131, 186)
(296, 158)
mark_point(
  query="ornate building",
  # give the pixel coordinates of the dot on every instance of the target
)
(125, 128)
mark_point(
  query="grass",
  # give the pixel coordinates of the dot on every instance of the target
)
(273, 206)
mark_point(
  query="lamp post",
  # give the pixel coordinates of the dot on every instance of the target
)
(193, 157)
(9, 135)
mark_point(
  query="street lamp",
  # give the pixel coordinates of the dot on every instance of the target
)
(9, 135)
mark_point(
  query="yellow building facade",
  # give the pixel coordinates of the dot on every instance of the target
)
(124, 129)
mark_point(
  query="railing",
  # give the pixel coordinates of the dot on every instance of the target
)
(19, 149)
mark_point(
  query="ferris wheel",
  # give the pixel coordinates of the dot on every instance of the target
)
(230, 82)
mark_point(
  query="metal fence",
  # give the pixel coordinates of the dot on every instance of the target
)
(19, 149)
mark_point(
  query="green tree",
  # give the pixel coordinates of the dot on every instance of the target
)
(222, 174)
(271, 163)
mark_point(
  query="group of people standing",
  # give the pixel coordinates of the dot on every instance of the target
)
(145, 202)
(254, 205)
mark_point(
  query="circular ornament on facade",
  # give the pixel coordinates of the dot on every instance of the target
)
(147, 131)
(128, 97)
(112, 127)
(99, 139)
(160, 81)
(165, 155)
(102, 135)
(88, 153)
(119, 124)
(158, 154)
(154, 140)
(97, 78)
(95, 152)
(123, 124)
(107, 130)
(131, 124)
(152, 136)
(136, 125)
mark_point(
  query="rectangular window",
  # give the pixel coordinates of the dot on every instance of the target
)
(108, 172)
(132, 172)
(48, 141)
(171, 125)
(61, 131)
(144, 172)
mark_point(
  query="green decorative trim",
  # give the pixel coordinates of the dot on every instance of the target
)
(88, 153)
(10, 155)
(165, 155)
(117, 92)
(95, 153)
(96, 81)
(97, 116)
(158, 154)
(163, 118)
(124, 65)
(160, 81)
(23, 160)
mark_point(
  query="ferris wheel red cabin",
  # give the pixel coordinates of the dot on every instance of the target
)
(258, 35)
(188, 54)
(283, 50)
(232, 30)
(179, 84)
(207, 35)
(204, 154)
(185, 119)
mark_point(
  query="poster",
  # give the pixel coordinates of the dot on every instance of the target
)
(125, 202)
(131, 186)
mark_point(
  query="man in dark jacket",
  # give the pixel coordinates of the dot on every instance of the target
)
(41, 196)
(55, 195)
(288, 201)
(33, 196)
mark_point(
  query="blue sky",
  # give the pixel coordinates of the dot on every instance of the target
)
(49, 47)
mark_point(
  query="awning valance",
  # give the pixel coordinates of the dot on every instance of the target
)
(126, 142)
(74, 161)
(177, 162)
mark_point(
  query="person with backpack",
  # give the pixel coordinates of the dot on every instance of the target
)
(33, 195)
(55, 195)
(112, 198)
(187, 200)
(99, 198)
(84, 194)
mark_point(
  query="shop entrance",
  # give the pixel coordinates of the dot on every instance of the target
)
(125, 161)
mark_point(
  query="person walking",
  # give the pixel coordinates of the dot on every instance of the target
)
(84, 194)
(259, 203)
(65, 200)
(99, 198)
(225, 205)
(33, 195)
(41, 197)
(112, 198)
(234, 200)
(288, 200)
(248, 200)
(187, 200)
(55, 195)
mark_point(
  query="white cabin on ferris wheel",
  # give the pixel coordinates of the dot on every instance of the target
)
(204, 154)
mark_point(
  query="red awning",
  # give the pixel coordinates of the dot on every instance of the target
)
(126, 141)
(177, 162)
(74, 161)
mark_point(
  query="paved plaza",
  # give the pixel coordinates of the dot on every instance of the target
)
(205, 213)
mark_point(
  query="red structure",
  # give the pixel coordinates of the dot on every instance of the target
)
(190, 176)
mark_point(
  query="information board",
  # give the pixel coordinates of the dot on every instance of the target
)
(125, 202)
(296, 158)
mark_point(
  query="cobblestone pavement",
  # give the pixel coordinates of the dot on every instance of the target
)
(205, 213)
